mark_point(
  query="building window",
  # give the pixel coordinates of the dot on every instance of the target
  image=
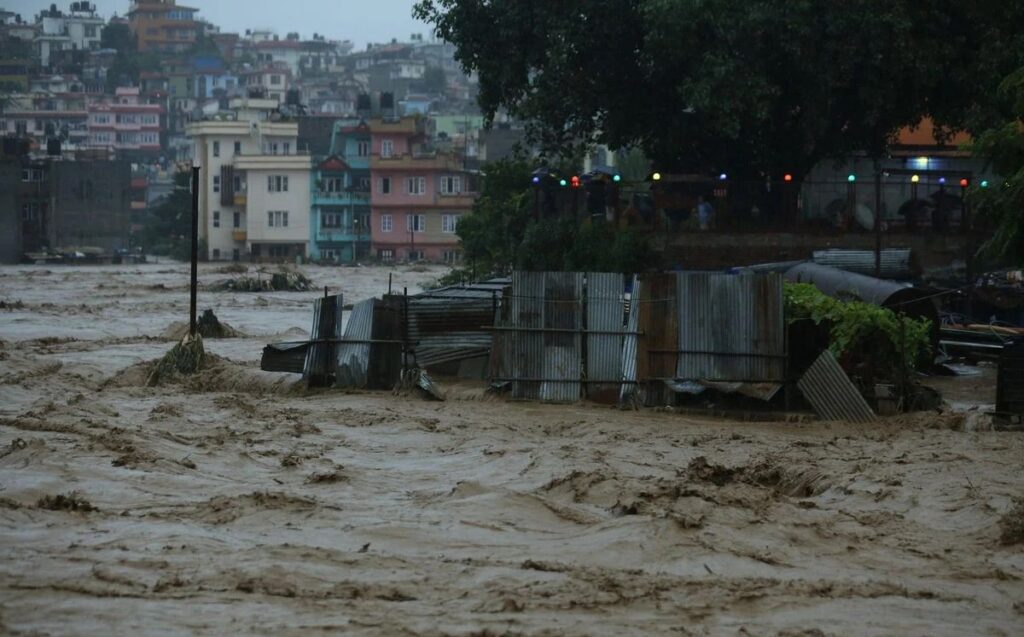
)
(416, 185)
(277, 218)
(363, 149)
(449, 223)
(415, 223)
(287, 148)
(330, 220)
(275, 80)
(452, 256)
(216, 218)
(384, 185)
(29, 211)
(90, 30)
(329, 254)
(238, 183)
(334, 184)
(32, 175)
(216, 254)
(451, 185)
(236, 220)
(386, 254)
(364, 184)
(216, 149)
(415, 255)
(216, 183)
(385, 223)
(277, 183)
(238, 148)
(236, 255)
(387, 148)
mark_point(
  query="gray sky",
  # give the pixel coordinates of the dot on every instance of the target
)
(361, 21)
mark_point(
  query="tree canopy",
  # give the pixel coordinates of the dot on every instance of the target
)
(752, 86)
(1002, 203)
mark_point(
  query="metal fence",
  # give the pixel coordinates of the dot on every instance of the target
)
(565, 335)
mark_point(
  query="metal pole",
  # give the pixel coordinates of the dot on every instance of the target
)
(878, 221)
(193, 282)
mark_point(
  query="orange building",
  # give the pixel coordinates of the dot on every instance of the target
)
(163, 25)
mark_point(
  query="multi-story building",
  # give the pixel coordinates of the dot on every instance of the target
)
(163, 25)
(77, 30)
(43, 116)
(254, 199)
(340, 217)
(418, 195)
(125, 123)
(273, 80)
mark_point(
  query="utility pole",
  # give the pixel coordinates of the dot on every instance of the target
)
(193, 281)
(878, 220)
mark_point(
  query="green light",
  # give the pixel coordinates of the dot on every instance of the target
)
(562, 182)
(656, 176)
(617, 178)
(984, 183)
(851, 178)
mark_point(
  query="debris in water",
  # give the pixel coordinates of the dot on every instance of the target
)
(184, 358)
(72, 501)
(1012, 524)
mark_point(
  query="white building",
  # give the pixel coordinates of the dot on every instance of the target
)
(79, 29)
(254, 202)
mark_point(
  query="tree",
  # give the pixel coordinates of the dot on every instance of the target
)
(756, 87)
(501, 234)
(129, 62)
(169, 227)
(1002, 203)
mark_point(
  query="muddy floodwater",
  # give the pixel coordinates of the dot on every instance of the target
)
(237, 502)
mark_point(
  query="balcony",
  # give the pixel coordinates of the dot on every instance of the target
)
(426, 161)
(239, 235)
(341, 198)
(345, 234)
(240, 199)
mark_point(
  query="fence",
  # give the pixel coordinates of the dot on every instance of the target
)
(564, 335)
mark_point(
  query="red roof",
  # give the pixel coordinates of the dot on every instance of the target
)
(334, 164)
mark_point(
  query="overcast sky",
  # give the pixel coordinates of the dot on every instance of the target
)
(361, 21)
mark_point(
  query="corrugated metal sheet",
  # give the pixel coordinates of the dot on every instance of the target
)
(354, 357)
(605, 315)
(731, 327)
(541, 338)
(318, 369)
(450, 329)
(831, 392)
(284, 357)
(631, 392)
(896, 262)
(658, 341)
(1010, 380)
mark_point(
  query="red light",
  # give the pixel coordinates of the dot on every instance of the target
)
(575, 181)
(963, 183)
(787, 177)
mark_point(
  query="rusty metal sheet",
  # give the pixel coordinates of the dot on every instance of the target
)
(831, 392)
(630, 392)
(354, 357)
(658, 340)
(731, 327)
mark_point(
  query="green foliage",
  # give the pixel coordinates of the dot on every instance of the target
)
(1002, 203)
(502, 235)
(862, 331)
(129, 62)
(169, 226)
(757, 86)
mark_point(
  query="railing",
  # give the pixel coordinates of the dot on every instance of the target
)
(239, 235)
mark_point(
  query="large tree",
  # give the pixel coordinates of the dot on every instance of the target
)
(1001, 204)
(750, 86)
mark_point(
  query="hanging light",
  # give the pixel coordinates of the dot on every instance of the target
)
(914, 179)
(575, 181)
(984, 183)
(942, 181)
(536, 180)
(656, 176)
(851, 178)
(787, 177)
(963, 183)
(723, 177)
(562, 183)
(616, 178)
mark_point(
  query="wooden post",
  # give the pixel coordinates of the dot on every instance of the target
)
(878, 221)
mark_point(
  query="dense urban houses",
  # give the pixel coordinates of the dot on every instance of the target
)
(126, 124)
(273, 80)
(78, 29)
(340, 219)
(419, 194)
(43, 116)
(163, 25)
(255, 194)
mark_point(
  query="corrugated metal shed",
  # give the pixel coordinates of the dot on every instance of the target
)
(604, 316)
(831, 392)
(318, 369)
(731, 327)
(896, 262)
(354, 356)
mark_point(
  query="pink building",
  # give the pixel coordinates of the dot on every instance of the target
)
(126, 123)
(418, 195)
